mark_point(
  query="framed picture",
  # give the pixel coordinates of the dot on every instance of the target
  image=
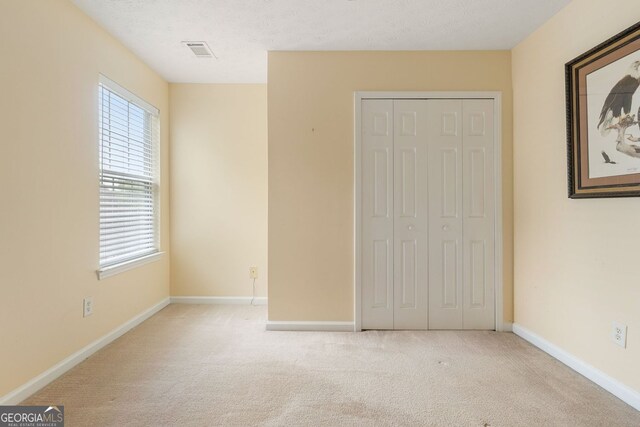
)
(603, 118)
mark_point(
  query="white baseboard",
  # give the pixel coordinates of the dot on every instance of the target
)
(21, 393)
(613, 386)
(506, 327)
(219, 300)
(276, 325)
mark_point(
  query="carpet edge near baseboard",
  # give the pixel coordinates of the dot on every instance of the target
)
(218, 300)
(19, 394)
(613, 386)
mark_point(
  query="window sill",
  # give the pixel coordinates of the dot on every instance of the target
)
(112, 270)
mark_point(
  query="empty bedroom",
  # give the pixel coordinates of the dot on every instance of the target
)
(319, 213)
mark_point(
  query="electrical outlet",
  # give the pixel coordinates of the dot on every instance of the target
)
(87, 305)
(253, 272)
(619, 334)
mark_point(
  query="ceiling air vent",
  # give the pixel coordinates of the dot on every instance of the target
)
(200, 49)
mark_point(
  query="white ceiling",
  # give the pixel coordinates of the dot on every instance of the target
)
(240, 32)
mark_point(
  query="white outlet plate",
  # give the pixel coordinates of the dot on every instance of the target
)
(253, 272)
(87, 305)
(619, 334)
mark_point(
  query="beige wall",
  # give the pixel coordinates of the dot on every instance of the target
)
(575, 260)
(51, 55)
(311, 164)
(219, 189)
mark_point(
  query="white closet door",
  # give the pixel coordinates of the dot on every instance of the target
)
(377, 214)
(444, 128)
(428, 219)
(479, 216)
(410, 214)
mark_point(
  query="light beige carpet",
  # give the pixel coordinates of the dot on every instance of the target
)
(204, 365)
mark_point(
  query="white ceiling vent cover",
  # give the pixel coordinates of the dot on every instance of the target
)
(200, 49)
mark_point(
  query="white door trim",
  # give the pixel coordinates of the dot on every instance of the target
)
(497, 106)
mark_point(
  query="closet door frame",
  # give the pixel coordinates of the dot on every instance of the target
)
(359, 96)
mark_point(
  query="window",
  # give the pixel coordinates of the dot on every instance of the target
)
(128, 157)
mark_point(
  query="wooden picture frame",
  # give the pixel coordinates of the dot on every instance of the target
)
(603, 115)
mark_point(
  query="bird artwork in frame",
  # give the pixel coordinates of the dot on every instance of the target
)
(603, 118)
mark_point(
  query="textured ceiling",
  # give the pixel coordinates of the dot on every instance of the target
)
(240, 32)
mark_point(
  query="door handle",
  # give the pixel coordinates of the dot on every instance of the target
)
(445, 227)
(410, 227)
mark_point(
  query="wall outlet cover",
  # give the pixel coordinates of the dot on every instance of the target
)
(87, 305)
(619, 334)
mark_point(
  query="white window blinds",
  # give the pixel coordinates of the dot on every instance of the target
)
(128, 157)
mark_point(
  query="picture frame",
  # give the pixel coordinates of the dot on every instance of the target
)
(603, 119)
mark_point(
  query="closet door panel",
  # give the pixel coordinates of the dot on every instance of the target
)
(377, 214)
(411, 211)
(445, 153)
(479, 215)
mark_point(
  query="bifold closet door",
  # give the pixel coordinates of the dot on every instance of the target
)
(461, 214)
(427, 223)
(394, 214)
